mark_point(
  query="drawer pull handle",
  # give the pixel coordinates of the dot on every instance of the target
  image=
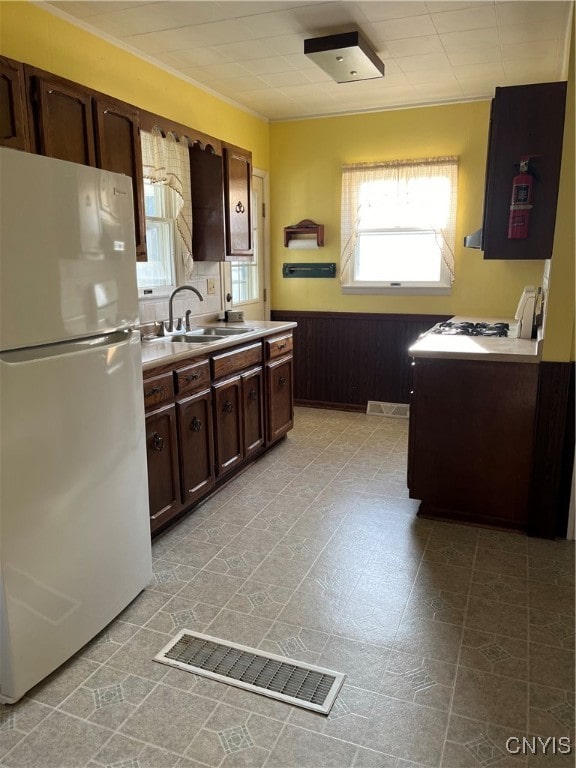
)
(239, 207)
(157, 442)
(282, 381)
(253, 395)
(153, 391)
(228, 407)
(196, 424)
(281, 346)
(191, 377)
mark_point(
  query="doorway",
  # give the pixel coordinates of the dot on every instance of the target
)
(247, 282)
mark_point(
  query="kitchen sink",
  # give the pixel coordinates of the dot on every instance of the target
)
(201, 335)
(221, 332)
(189, 338)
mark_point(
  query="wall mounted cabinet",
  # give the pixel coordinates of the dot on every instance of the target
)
(525, 120)
(118, 149)
(13, 120)
(43, 113)
(207, 181)
(74, 123)
(237, 201)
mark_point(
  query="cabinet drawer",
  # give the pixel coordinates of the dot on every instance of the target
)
(193, 377)
(158, 389)
(232, 362)
(278, 346)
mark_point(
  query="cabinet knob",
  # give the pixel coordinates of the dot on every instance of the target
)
(157, 442)
(153, 391)
(196, 424)
(252, 395)
(228, 407)
(239, 207)
(281, 346)
(282, 381)
(191, 377)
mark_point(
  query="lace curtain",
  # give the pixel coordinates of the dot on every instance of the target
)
(166, 161)
(410, 193)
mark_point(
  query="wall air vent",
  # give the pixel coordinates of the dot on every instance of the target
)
(346, 57)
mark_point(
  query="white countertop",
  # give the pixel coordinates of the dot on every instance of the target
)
(497, 349)
(161, 352)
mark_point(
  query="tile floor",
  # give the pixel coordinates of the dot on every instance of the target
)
(453, 639)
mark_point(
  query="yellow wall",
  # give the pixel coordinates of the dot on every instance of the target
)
(306, 157)
(37, 37)
(559, 339)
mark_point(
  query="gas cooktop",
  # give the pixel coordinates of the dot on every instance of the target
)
(465, 328)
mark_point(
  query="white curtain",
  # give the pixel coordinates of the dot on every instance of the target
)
(408, 193)
(166, 161)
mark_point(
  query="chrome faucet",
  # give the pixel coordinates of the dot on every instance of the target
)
(170, 328)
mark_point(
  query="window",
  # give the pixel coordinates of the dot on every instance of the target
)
(168, 209)
(160, 208)
(398, 226)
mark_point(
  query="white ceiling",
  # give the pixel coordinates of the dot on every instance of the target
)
(252, 52)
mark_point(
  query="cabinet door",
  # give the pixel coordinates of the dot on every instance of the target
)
(206, 178)
(118, 149)
(470, 445)
(163, 472)
(252, 411)
(13, 118)
(228, 424)
(237, 178)
(280, 400)
(196, 446)
(65, 129)
(525, 120)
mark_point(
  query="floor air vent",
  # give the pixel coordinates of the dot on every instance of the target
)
(280, 678)
(396, 410)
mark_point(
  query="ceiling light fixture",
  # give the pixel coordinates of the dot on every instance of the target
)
(347, 57)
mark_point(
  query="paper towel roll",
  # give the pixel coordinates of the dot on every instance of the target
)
(304, 244)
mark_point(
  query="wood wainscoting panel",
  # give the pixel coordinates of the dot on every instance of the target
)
(553, 451)
(344, 359)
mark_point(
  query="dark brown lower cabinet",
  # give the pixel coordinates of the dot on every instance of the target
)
(279, 378)
(471, 440)
(228, 424)
(209, 417)
(163, 469)
(196, 446)
(252, 411)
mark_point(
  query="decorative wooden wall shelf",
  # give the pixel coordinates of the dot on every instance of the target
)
(302, 232)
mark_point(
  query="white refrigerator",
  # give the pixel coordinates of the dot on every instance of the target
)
(74, 522)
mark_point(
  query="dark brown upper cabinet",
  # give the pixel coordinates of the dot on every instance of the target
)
(118, 149)
(63, 118)
(525, 120)
(237, 201)
(13, 120)
(206, 178)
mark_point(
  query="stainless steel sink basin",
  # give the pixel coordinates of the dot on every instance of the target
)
(190, 338)
(201, 335)
(221, 332)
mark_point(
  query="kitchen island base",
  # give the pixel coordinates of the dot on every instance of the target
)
(471, 440)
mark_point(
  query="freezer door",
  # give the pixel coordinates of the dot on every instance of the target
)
(75, 534)
(67, 251)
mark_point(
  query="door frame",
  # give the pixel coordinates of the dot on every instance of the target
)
(263, 234)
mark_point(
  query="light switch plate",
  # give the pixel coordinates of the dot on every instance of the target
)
(211, 286)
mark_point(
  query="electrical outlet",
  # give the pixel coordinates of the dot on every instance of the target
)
(211, 286)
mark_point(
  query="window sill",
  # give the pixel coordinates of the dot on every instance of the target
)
(402, 290)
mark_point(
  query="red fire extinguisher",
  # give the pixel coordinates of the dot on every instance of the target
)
(521, 202)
